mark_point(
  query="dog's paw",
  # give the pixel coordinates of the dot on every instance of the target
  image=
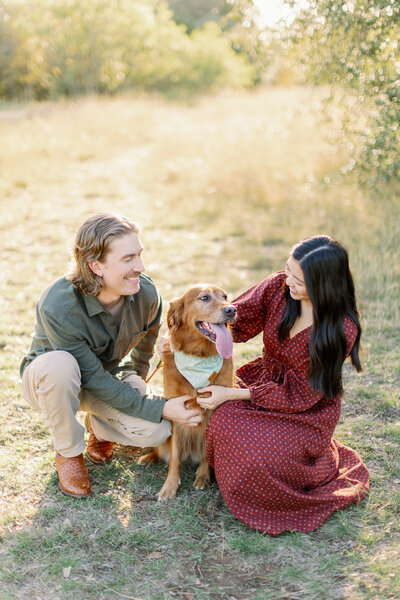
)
(148, 459)
(201, 482)
(167, 492)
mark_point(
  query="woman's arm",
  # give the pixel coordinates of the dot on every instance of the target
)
(252, 308)
(294, 393)
(219, 395)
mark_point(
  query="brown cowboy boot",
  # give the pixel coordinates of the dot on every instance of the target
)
(99, 452)
(73, 478)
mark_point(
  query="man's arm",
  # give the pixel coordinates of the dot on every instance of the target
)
(94, 378)
(142, 353)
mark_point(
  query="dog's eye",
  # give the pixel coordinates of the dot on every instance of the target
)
(205, 298)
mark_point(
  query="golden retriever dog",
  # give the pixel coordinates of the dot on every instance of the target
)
(199, 336)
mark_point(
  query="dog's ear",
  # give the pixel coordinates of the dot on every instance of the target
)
(175, 314)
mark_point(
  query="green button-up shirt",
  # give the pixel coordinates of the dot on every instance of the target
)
(68, 320)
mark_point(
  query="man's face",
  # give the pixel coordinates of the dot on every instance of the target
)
(121, 268)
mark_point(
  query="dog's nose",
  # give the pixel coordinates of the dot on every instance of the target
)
(230, 311)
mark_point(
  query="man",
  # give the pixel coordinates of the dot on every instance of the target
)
(86, 323)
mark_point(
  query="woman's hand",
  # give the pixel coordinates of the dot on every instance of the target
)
(219, 395)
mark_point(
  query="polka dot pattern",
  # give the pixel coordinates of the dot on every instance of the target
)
(275, 461)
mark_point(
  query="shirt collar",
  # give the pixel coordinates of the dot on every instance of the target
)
(94, 307)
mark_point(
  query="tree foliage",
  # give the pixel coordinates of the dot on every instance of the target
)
(237, 20)
(69, 47)
(355, 43)
(193, 14)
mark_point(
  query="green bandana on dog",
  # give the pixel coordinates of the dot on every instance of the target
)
(198, 370)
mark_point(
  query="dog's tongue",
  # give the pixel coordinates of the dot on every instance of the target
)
(224, 342)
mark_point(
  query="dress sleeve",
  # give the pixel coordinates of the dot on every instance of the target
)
(294, 394)
(252, 308)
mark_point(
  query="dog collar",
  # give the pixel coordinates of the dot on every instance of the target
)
(199, 371)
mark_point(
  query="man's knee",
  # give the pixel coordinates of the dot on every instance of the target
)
(51, 377)
(158, 433)
(58, 365)
(51, 384)
(137, 382)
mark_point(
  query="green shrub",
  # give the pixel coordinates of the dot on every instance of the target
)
(68, 47)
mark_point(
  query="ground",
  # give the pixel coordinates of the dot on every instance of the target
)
(222, 188)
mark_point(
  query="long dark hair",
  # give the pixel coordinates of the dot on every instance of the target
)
(330, 288)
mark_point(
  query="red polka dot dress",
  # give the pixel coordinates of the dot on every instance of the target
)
(275, 461)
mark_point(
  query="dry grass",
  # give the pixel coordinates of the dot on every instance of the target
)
(222, 189)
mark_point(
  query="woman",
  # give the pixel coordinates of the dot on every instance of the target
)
(271, 445)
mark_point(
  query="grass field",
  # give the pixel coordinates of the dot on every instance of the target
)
(222, 189)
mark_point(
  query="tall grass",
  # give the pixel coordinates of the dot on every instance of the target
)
(222, 188)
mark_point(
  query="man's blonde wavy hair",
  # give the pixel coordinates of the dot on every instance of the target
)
(93, 242)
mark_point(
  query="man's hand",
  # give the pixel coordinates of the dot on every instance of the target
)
(175, 410)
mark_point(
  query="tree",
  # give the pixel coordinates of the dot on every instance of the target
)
(354, 43)
(237, 20)
(193, 14)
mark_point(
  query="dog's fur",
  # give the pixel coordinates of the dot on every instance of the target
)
(199, 303)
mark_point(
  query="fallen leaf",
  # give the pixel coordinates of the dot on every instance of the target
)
(66, 572)
(155, 555)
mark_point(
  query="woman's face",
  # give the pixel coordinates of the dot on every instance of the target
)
(295, 280)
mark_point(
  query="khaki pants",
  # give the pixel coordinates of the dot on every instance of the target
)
(52, 384)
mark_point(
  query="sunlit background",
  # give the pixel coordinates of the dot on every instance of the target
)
(272, 11)
(228, 138)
